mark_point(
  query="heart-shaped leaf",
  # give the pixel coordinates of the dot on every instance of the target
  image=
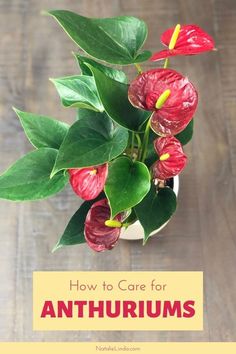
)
(131, 218)
(114, 40)
(155, 209)
(91, 141)
(115, 74)
(42, 131)
(186, 135)
(86, 113)
(29, 177)
(127, 184)
(114, 96)
(74, 231)
(78, 91)
(151, 152)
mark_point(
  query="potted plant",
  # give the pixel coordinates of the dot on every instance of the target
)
(124, 152)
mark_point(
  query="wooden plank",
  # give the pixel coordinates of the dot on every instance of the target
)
(214, 183)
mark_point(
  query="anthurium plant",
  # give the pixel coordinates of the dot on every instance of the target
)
(127, 140)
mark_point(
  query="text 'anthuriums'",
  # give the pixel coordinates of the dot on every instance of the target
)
(126, 145)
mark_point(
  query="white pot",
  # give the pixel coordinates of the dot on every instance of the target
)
(135, 231)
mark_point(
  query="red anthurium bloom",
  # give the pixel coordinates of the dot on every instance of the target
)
(169, 94)
(190, 40)
(99, 236)
(172, 159)
(88, 182)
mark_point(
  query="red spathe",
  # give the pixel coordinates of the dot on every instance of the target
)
(180, 106)
(191, 40)
(88, 182)
(176, 161)
(99, 236)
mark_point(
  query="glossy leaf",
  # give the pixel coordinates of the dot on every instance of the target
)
(74, 231)
(131, 218)
(91, 141)
(79, 111)
(42, 131)
(29, 177)
(114, 96)
(186, 135)
(151, 153)
(86, 113)
(115, 40)
(155, 209)
(115, 74)
(127, 184)
(78, 91)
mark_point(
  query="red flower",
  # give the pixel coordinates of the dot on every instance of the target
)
(172, 159)
(180, 103)
(88, 182)
(99, 236)
(191, 40)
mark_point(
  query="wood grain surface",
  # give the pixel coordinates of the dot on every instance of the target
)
(202, 234)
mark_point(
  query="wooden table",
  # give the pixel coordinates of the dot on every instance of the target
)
(202, 234)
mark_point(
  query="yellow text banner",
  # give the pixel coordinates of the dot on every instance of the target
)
(118, 301)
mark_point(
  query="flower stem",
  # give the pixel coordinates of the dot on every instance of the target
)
(145, 139)
(139, 145)
(138, 67)
(166, 63)
(127, 224)
(132, 144)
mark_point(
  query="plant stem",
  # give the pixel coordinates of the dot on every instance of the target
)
(138, 67)
(139, 145)
(127, 224)
(145, 140)
(132, 144)
(166, 63)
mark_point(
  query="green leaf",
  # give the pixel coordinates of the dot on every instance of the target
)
(127, 184)
(84, 113)
(186, 135)
(114, 96)
(42, 131)
(131, 218)
(78, 113)
(91, 141)
(115, 40)
(151, 152)
(78, 91)
(74, 231)
(29, 177)
(115, 74)
(151, 158)
(155, 209)
(144, 56)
